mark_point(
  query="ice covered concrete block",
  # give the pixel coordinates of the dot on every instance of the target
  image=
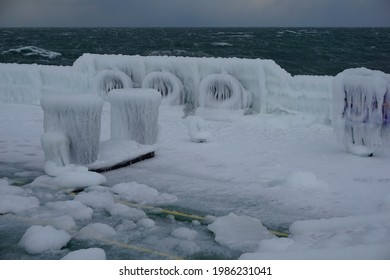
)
(359, 109)
(56, 147)
(78, 117)
(134, 115)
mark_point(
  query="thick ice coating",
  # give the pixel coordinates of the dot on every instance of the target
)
(360, 109)
(134, 115)
(77, 117)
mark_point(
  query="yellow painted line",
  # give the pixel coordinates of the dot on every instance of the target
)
(139, 249)
(278, 233)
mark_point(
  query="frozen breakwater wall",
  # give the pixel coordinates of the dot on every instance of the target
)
(228, 83)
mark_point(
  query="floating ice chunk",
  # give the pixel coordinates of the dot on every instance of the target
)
(96, 199)
(240, 233)
(62, 113)
(146, 223)
(134, 115)
(6, 188)
(275, 245)
(56, 147)
(142, 194)
(301, 180)
(64, 222)
(197, 129)
(121, 210)
(170, 86)
(14, 204)
(38, 239)
(86, 254)
(184, 233)
(73, 208)
(96, 231)
(126, 226)
(79, 179)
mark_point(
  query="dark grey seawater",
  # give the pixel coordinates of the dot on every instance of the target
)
(315, 51)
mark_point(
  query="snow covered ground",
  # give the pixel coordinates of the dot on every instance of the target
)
(281, 171)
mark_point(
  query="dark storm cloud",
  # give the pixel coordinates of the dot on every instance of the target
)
(194, 13)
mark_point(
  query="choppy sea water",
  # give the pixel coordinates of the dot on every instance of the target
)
(301, 51)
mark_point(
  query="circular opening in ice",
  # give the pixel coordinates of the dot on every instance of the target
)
(222, 91)
(107, 80)
(167, 84)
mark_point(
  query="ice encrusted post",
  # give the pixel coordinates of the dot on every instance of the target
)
(72, 118)
(360, 109)
(134, 115)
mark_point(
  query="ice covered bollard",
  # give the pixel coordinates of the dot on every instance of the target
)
(56, 147)
(76, 118)
(134, 115)
(359, 109)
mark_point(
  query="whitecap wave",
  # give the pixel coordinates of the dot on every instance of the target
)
(222, 44)
(32, 51)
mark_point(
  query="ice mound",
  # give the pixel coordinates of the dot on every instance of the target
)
(124, 211)
(15, 199)
(71, 176)
(96, 231)
(96, 199)
(86, 254)
(64, 222)
(353, 237)
(6, 188)
(301, 180)
(73, 208)
(38, 239)
(75, 179)
(14, 204)
(184, 233)
(146, 223)
(197, 129)
(141, 194)
(241, 233)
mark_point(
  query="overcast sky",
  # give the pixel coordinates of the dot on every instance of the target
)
(197, 13)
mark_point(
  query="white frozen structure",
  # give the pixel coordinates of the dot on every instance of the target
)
(170, 86)
(264, 86)
(361, 109)
(134, 115)
(108, 80)
(72, 121)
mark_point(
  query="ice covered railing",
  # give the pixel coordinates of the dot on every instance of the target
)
(263, 85)
(225, 83)
(361, 110)
(25, 83)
